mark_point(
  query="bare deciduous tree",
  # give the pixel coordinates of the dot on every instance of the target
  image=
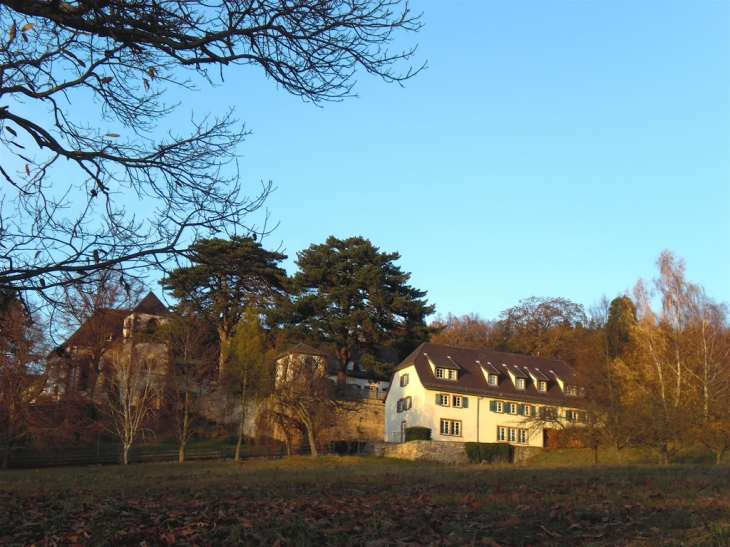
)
(89, 183)
(193, 356)
(303, 391)
(134, 385)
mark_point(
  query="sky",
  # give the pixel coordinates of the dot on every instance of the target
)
(550, 149)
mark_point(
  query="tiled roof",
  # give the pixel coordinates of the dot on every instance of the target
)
(472, 380)
(150, 305)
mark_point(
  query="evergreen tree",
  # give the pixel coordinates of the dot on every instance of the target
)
(350, 296)
(227, 277)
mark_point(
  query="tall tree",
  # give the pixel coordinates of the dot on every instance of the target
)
(225, 278)
(467, 331)
(85, 81)
(352, 297)
(680, 361)
(249, 370)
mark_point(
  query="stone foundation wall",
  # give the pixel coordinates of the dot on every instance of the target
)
(437, 451)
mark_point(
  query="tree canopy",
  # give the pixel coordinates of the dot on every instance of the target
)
(84, 81)
(350, 296)
(225, 278)
(541, 326)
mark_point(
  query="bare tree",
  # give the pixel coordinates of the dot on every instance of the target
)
(133, 393)
(75, 181)
(193, 358)
(303, 392)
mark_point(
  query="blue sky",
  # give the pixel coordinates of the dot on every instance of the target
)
(550, 149)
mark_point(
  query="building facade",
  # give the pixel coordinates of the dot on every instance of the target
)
(472, 395)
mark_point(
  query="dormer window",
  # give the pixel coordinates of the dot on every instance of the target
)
(520, 383)
(446, 373)
(568, 390)
(542, 386)
(493, 380)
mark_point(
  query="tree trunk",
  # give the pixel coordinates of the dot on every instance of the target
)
(181, 453)
(125, 453)
(594, 453)
(241, 422)
(312, 443)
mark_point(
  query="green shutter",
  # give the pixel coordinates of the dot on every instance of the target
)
(493, 406)
(465, 402)
(438, 401)
(521, 410)
(534, 411)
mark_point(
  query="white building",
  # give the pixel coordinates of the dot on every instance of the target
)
(472, 395)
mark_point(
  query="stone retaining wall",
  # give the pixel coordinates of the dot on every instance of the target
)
(437, 451)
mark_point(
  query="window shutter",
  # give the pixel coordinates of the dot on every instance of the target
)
(438, 399)
(465, 402)
(568, 414)
(493, 406)
(521, 410)
(534, 411)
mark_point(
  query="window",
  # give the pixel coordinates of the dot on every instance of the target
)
(439, 373)
(501, 433)
(403, 380)
(512, 408)
(399, 405)
(526, 410)
(452, 375)
(496, 406)
(520, 384)
(570, 415)
(542, 386)
(451, 427)
(457, 401)
(512, 435)
(407, 403)
(442, 399)
(493, 380)
(568, 390)
(522, 436)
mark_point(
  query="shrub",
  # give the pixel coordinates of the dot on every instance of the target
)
(418, 433)
(489, 452)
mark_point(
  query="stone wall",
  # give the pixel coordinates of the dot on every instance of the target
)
(437, 451)
(362, 420)
(423, 451)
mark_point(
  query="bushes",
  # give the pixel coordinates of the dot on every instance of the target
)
(489, 452)
(418, 433)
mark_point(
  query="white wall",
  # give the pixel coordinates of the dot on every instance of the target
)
(426, 413)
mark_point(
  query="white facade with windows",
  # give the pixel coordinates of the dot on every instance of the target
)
(479, 396)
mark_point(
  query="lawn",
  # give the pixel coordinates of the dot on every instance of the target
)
(365, 501)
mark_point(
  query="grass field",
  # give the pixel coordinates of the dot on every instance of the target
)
(365, 501)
